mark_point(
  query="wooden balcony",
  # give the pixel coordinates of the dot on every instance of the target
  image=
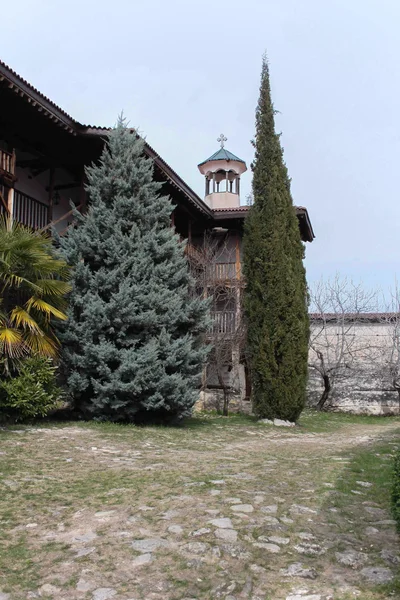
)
(29, 211)
(7, 166)
(223, 322)
(223, 272)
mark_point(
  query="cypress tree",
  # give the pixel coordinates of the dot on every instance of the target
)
(132, 346)
(276, 292)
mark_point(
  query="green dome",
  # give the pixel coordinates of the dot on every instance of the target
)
(222, 154)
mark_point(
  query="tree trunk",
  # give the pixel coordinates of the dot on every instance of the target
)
(225, 390)
(397, 388)
(225, 409)
(325, 394)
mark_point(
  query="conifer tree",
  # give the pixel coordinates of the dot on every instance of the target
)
(276, 293)
(133, 346)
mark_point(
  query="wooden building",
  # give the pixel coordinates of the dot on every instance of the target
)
(43, 154)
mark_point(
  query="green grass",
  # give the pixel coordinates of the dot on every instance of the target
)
(17, 565)
(309, 421)
(371, 463)
(312, 421)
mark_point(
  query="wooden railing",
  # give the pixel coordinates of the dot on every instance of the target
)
(29, 211)
(194, 254)
(223, 321)
(7, 162)
(223, 272)
(51, 224)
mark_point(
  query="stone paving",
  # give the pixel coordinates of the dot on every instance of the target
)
(243, 514)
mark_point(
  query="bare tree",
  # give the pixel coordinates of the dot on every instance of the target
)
(250, 199)
(338, 306)
(218, 277)
(389, 356)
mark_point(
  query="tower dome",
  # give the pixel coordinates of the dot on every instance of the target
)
(222, 173)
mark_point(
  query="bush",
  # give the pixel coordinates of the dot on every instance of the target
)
(396, 490)
(32, 393)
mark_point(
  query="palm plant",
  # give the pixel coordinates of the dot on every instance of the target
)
(33, 285)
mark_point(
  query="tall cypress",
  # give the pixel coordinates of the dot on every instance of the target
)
(276, 292)
(132, 346)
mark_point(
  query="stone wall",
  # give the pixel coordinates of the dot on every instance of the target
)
(213, 399)
(363, 383)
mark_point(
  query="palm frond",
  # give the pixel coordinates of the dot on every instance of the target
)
(44, 345)
(21, 318)
(12, 342)
(53, 287)
(45, 308)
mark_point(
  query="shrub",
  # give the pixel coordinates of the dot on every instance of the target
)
(396, 490)
(32, 393)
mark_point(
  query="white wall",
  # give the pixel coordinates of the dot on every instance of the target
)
(363, 381)
(35, 186)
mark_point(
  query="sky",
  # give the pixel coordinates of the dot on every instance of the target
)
(183, 72)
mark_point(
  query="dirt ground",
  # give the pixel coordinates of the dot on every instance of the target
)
(224, 508)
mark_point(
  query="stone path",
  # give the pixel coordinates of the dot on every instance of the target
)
(220, 513)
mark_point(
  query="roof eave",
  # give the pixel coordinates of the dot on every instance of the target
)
(168, 171)
(303, 212)
(242, 211)
(24, 89)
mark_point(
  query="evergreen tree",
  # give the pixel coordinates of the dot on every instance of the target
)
(133, 342)
(276, 292)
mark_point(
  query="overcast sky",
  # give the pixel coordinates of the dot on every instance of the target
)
(185, 71)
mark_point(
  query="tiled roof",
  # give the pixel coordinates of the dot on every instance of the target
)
(56, 114)
(245, 208)
(23, 88)
(163, 166)
(232, 208)
(222, 154)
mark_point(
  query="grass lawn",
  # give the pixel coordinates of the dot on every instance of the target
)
(99, 511)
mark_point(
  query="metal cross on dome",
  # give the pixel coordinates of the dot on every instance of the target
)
(222, 139)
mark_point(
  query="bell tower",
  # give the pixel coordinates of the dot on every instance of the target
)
(222, 173)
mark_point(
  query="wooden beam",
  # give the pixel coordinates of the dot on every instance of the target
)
(4, 203)
(237, 261)
(82, 192)
(10, 200)
(32, 163)
(51, 192)
(13, 162)
(68, 214)
(189, 231)
(64, 186)
(37, 172)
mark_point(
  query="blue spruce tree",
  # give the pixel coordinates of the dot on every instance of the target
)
(133, 343)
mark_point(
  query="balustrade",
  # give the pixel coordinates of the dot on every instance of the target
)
(7, 162)
(29, 211)
(223, 321)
